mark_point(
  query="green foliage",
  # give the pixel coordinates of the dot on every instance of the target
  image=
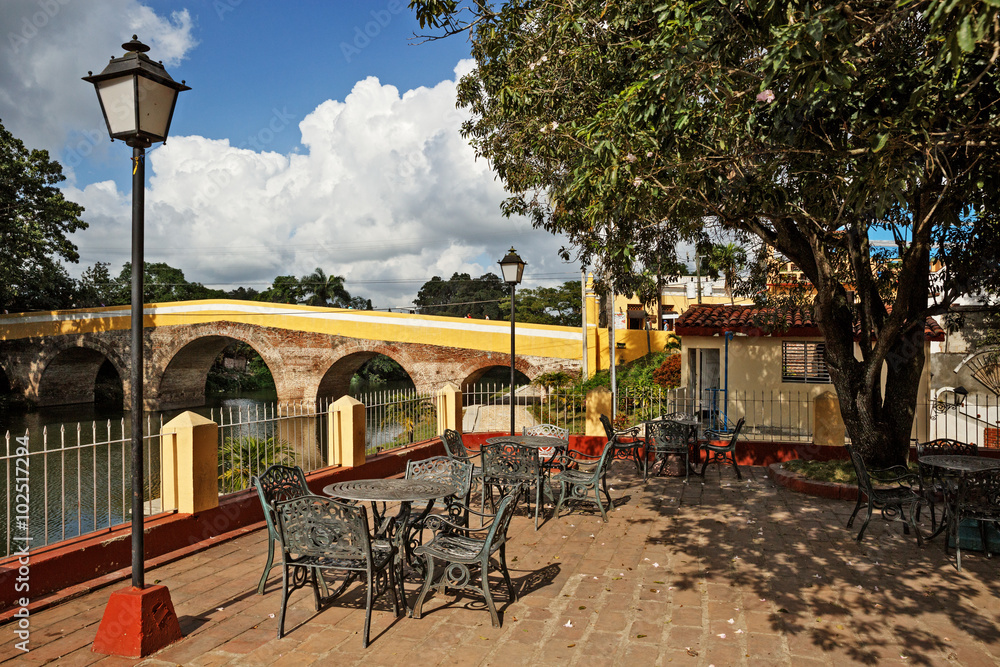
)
(35, 220)
(809, 127)
(163, 283)
(256, 376)
(462, 295)
(547, 305)
(246, 456)
(320, 289)
(380, 369)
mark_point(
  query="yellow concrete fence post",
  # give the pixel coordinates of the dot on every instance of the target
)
(449, 408)
(828, 424)
(598, 403)
(190, 460)
(347, 432)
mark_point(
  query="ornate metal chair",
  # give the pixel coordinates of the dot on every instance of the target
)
(461, 551)
(277, 484)
(450, 471)
(976, 497)
(934, 482)
(318, 534)
(666, 438)
(723, 453)
(622, 449)
(509, 465)
(897, 489)
(588, 477)
(455, 448)
(547, 455)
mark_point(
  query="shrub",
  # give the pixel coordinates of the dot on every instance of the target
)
(669, 373)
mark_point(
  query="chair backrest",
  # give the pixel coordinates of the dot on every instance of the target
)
(505, 512)
(443, 469)
(323, 527)
(665, 434)
(453, 445)
(549, 430)
(864, 481)
(947, 446)
(608, 427)
(510, 461)
(607, 456)
(277, 484)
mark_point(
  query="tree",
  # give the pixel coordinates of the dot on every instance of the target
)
(163, 283)
(97, 288)
(35, 220)
(809, 126)
(284, 289)
(727, 260)
(463, 295)
(323, 290)
(547, 305)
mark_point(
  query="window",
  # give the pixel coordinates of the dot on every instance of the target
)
(804, 362)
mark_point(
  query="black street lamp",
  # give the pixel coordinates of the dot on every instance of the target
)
(137, 99)
(512, 267)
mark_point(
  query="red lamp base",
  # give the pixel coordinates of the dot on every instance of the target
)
(137, 622)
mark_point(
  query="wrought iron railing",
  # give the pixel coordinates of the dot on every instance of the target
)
(255, 436)
(398, 418)
(60, 483)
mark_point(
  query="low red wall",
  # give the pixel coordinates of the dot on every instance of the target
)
(72, 567)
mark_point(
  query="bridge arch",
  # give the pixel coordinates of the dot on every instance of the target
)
(66, 372)
(187, 358)
(340, 367)
(471, 372)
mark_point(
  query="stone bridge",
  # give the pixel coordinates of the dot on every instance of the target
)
(312, 353)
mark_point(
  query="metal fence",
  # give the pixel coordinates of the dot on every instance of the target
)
(254, 437)
(976, 420)
(66, 482)
(398, 418)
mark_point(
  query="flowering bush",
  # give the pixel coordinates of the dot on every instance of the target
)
(669, 373)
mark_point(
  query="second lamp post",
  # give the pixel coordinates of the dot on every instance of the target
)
(512, 267)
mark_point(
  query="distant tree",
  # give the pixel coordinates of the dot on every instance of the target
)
(244, 294)
(97, 288)
(284, 289)
(547, 305)
(462, 295)
(163, 283)
(35, 220)
(320, 289)
(726, 260)
(360, 303)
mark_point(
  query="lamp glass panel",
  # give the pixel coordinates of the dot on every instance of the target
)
(117, 97)
(155, 104)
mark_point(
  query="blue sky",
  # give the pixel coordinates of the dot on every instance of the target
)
(316, 134)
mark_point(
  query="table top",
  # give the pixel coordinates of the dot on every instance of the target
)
(539, 441)
(960, 462)
(687, 421)
(389, 490)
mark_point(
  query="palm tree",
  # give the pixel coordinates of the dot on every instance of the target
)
(324, 290)
(727, 260)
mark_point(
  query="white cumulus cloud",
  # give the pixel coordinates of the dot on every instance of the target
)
(385, 192)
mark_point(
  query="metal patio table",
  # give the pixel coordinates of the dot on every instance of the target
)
(957, 465)
(394, 528)
(692, 424)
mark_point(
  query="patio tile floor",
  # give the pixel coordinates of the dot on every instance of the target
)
(713, 572)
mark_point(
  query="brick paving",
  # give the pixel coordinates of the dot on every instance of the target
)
(718, 572)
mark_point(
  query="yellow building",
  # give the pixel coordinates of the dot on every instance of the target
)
(675, 298)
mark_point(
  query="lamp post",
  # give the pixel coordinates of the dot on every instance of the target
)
(512, 267)
(137, 99)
